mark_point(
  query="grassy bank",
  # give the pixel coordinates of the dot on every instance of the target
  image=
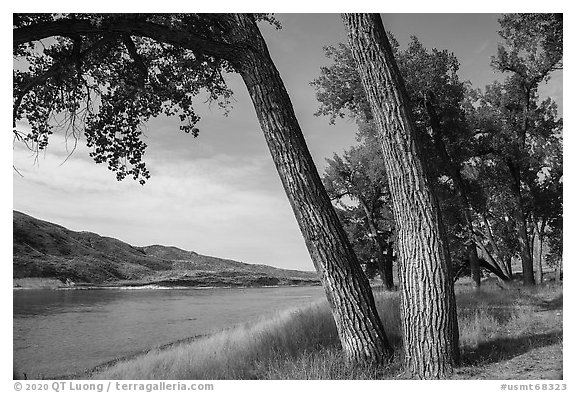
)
(303, 343)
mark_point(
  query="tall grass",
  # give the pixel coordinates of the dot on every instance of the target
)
(303, 343)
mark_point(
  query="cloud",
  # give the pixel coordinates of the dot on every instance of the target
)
(219, 205)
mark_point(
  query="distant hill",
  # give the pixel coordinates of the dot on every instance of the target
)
(49, 253)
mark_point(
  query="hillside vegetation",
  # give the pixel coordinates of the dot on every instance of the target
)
(61, 257)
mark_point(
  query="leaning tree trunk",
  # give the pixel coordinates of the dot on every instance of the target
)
(498, 260)
(428, 305)
(348, 291)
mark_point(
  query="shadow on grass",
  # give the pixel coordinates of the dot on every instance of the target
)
(548, 305)
(507, 348)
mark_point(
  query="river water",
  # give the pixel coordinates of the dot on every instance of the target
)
(62, 332)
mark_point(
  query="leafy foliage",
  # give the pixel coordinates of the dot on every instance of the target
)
(107, 85)
(483, 143)
(519, 134)
(533, 46)
(429, 76)
(357, 183)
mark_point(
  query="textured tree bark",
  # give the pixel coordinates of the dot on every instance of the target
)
(347, 288)
(474, 266)
(428, 305)
(236, 38)
(537, 244)
(537, 252)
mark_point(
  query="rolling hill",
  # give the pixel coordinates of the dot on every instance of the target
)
(48, 252)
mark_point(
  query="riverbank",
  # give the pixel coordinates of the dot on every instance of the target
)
(496, 326)
(56, 284)
(49, 256)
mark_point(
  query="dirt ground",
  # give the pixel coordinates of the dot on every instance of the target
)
(537, 357)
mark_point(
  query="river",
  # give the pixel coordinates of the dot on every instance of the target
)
(62, 332)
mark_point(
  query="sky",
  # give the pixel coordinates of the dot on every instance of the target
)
(219, 194)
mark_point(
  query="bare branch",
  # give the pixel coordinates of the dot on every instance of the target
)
(17, 171)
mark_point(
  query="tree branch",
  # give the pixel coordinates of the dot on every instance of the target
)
(337, 197)
(131, 47)
(54, 70)
(136, 26)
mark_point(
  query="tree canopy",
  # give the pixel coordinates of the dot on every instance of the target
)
(104, 76)
(141, 65)
(495, 154)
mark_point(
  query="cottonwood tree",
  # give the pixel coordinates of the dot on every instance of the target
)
(107, 74)
(539, 162)
(428, 305)
(436, 96)
(531, 51)
(545, 205)
(354, 221)
(359, 176)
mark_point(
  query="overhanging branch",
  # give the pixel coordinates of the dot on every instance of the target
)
(54, 70)
(138, 61)
(135, 26)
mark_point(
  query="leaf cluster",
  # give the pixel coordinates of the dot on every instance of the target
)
(105, 85)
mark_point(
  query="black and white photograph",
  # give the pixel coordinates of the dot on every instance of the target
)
(201, 197)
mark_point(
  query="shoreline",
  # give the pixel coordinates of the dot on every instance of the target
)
(35, 283)
(103, 364)
(87, 373)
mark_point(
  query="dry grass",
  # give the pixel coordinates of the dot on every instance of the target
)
(303, 343)
(233, 353)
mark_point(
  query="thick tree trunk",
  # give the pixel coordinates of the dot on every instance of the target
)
(537, 244)
(537, 253)
(428, 305)
(474, 265)
(525, 254)
(382, 260)
(347, 288)
(520, 219)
